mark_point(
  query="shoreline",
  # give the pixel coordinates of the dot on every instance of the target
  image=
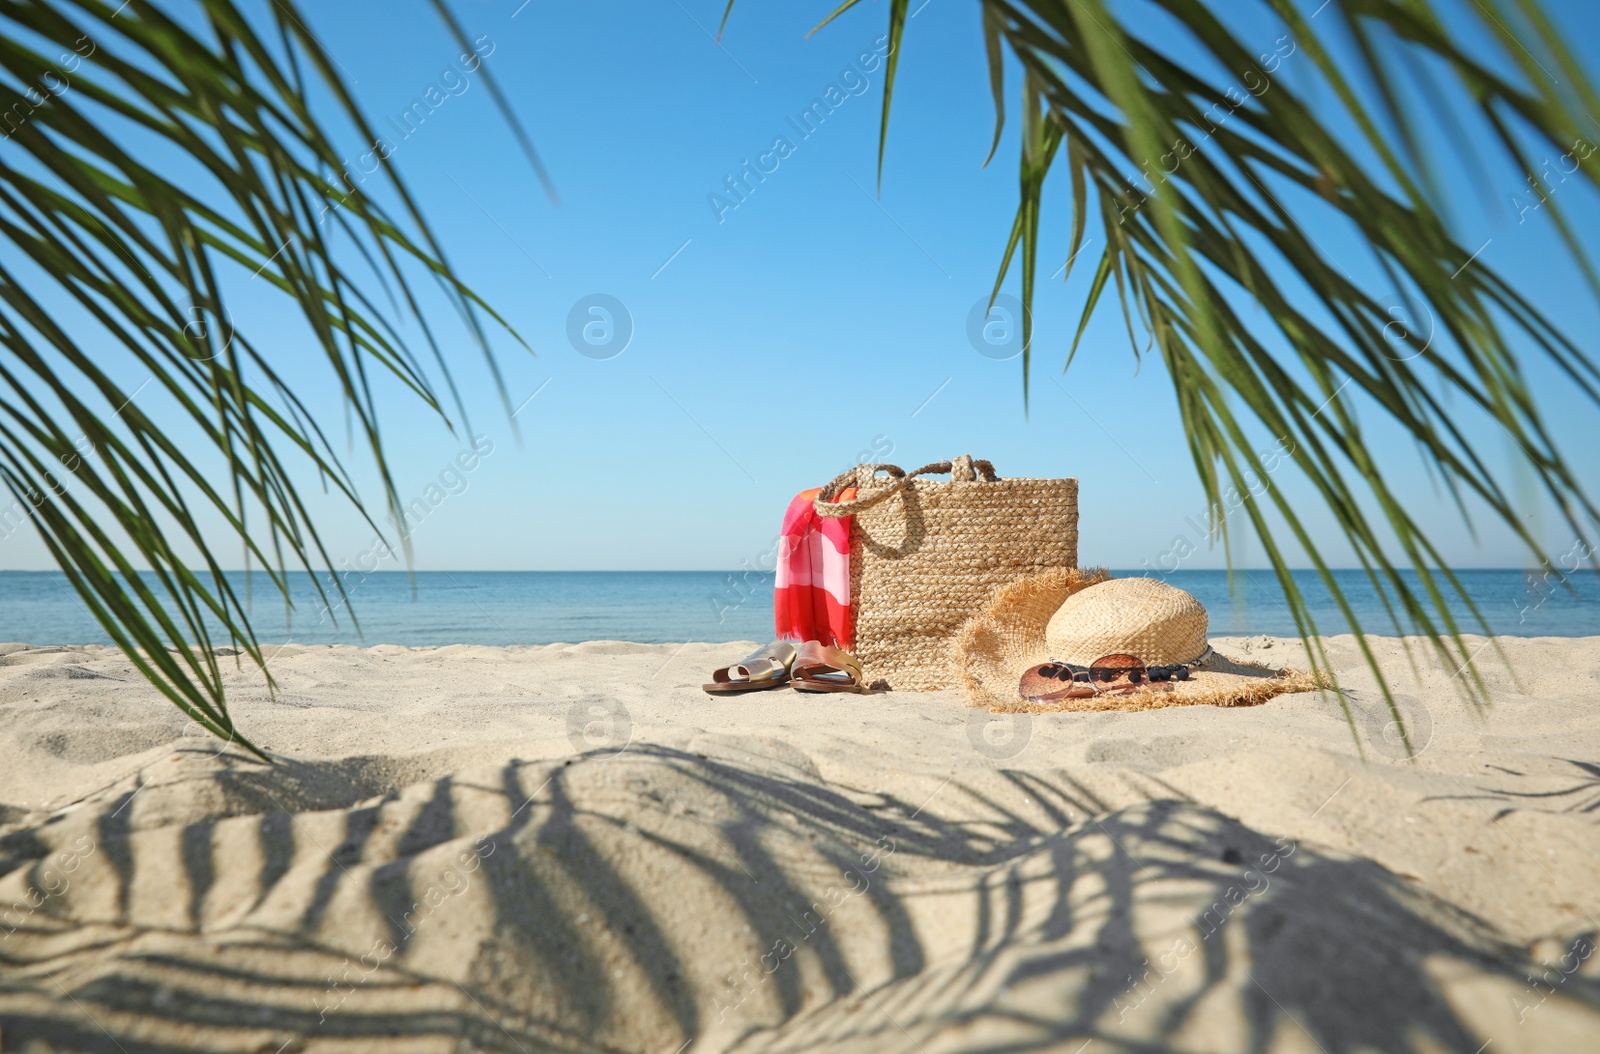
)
(584, 849)
(509, 608)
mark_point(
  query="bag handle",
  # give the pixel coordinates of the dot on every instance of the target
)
(964, 468)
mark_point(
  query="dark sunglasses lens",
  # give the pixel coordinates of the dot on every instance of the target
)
(1035, 683)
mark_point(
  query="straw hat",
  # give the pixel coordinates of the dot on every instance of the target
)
(1077, 616)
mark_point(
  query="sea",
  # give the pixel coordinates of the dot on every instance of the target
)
(545, 607)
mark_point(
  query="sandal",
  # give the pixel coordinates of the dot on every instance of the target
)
(763, 668)
(820, 668)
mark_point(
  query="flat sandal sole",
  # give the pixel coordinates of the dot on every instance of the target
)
(741, 688)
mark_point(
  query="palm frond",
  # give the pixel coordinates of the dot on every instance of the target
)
(146, 255)
(1225, 173)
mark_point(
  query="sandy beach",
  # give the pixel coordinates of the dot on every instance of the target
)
(418, 337)
(573, 848)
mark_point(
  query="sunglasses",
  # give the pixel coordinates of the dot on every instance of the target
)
(1109, 673)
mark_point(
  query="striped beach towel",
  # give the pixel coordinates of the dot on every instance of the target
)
(811, 592)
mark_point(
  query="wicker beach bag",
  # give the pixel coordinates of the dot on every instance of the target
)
(925, 555)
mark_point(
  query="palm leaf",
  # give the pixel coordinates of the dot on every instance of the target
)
(1229, 171)
(143, 258)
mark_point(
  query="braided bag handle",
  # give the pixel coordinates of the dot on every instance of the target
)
(965, 467)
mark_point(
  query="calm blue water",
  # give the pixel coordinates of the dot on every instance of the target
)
(542, 607)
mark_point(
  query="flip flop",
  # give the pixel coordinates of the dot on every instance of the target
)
(764, 668)
(820, 668)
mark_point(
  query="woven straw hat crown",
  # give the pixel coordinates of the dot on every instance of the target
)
(1157, 623)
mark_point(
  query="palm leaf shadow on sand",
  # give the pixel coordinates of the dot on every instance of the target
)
(635, 902)
(1581, 797)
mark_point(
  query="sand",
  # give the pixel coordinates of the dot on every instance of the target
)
(573, 848)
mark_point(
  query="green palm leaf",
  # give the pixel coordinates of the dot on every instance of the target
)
(82, 219)
(1208, 218)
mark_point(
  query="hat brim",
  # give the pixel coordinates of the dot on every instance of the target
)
(990, 653)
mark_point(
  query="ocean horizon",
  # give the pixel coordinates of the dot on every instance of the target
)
(653, 607)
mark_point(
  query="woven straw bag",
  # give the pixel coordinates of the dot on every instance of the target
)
(926, 555)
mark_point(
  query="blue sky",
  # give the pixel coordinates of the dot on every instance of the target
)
(777, 343)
